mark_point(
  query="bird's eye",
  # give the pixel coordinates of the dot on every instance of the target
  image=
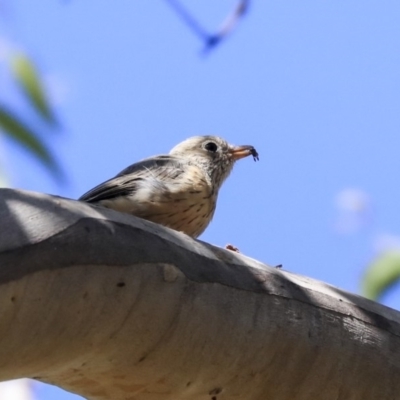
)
(211, 146)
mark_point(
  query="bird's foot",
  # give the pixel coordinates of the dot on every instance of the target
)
(231, 247)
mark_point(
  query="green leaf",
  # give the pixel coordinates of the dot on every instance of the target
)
(11, 125)
(382, 273)
(28, 78)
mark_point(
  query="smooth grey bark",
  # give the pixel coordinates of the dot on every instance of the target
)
(113, 307)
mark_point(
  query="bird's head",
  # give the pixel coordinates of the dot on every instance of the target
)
(213, 154)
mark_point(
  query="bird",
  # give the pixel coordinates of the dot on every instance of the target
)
(178, 190)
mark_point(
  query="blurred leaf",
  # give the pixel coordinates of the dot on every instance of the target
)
(29, 80)
(3, 180)
(382, 273)
(19, 131)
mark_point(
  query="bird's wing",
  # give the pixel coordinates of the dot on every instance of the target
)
(154, 169)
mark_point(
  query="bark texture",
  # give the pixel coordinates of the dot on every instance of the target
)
(113, 307)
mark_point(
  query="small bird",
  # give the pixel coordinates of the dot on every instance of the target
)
(178, 190)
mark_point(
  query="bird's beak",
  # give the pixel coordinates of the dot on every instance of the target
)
(239, 152)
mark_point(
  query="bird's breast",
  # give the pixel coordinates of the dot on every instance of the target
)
(186, 203)
(187, 209)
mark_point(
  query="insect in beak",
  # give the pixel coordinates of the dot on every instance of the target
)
(239, 152)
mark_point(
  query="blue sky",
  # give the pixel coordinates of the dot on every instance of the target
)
(313, 85)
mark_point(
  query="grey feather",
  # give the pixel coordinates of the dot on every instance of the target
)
(143, 173)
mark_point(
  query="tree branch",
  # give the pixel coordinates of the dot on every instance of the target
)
(113, 307)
